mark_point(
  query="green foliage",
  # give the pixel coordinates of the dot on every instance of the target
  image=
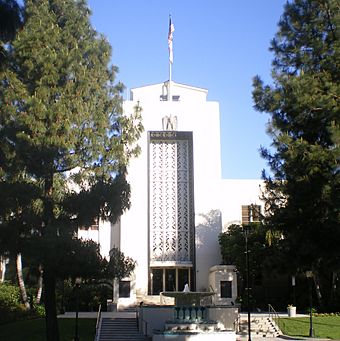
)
(9, 295)
(232, 243)
(326, 327)
(11, 308)
(268, 283)
(64, 142)
(11, 19)
(34, 330)
(119, 266)
(91, 294)
(302, 194)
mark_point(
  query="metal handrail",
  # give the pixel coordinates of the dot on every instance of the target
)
(273, 315)
(143, 326)
(237, 323)
(96, 338)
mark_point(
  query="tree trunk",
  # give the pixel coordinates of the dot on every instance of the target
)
(52, 330)
(21, 281)
(332, 294)
(318, 291)
(2, 268)
(40, 285)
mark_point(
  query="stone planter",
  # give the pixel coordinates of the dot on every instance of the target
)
(291, 311)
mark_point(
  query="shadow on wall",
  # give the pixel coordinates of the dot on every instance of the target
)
(208, 228)
(208, 254)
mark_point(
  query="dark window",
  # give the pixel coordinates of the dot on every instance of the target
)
(226, 289)
(183, 279)
(124, 289)
(157, 281)
(170, 280)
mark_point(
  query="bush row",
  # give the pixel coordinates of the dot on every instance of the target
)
(11, 307)
(326, 314)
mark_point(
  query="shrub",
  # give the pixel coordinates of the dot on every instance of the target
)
(11, 308)
(9, 295)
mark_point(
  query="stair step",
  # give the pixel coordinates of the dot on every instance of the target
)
(261, 326)
(119, 329)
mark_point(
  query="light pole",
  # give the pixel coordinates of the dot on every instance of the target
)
(293, 287)
(246, 231)
(309, 275)
(77, 288)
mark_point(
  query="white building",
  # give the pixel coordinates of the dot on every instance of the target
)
(179, 202)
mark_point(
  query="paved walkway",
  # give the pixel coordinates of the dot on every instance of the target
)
(265, 313)
(282, 337)
(118, 314)
(93, 315)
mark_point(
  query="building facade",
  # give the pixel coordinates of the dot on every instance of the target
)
(179, 202)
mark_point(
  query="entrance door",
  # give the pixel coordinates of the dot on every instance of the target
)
(169, 279)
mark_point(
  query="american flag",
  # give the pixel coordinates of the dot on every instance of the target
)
(170, 37)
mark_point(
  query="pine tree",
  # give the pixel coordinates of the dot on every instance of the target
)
(10, 20)
(303, 192)
(64, 141)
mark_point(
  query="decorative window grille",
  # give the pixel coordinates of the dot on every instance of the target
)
(171, 224)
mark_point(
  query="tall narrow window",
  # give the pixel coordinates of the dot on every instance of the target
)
(183, 278)
(157, 281)
(171, 208)
(170, 279)
(251, 214)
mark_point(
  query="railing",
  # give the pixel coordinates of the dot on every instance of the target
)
(99, 314)
(237, 323)
(189, 313)
(142, 325)
(273, 315)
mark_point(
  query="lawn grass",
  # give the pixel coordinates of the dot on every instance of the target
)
(34, 330)
(324, 326)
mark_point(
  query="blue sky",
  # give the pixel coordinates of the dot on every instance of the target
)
(219, 45)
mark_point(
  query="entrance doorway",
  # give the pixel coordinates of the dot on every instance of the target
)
(169, 279)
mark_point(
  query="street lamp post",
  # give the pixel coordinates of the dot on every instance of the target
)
(246, 231)
(293, 287)
(309, 275)
(77, 288)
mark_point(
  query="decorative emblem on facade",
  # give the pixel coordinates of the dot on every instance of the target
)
(169, 122)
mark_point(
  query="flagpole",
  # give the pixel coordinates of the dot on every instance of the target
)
(171, 57)
(169, 88)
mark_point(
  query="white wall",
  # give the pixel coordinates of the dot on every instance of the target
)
(100, 236)
(217, 202)
(208, 228)
(220, 273)
(238, 192)
(194, 114)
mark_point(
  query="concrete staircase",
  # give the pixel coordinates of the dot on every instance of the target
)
(119, 329)
(261, 326)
